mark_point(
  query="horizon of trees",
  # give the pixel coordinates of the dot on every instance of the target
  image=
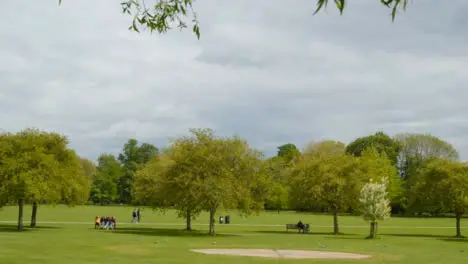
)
(205, 172)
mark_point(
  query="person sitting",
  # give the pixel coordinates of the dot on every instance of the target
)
(300, 226)
(103, 220)
(97, 222)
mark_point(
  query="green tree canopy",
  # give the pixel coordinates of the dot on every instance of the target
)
(106, 180)
(132, 158)
(288, 152)
(443, 186)
(38, 166)
(380, 141)
(325, 180)
(205, 172)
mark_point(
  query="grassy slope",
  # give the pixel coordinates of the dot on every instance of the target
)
(158, 243)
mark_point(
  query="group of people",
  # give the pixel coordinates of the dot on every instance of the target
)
(136, 216)
(105, 222)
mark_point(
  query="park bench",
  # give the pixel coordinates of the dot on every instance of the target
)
(294, 226)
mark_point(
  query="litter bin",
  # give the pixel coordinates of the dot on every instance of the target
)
(220, 219)
(228, 219)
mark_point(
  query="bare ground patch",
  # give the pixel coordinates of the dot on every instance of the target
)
(287, 254)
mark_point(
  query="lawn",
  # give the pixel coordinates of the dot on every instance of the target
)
(67, 235)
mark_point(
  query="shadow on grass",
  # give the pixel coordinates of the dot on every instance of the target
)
(456, 239)
(146, 231)
(13, 228)
(306, 234)
(416, 235)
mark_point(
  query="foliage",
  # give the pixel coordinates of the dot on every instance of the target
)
(132, 158)
(373, 165)
(418, 150)
(380, 141)
(278, 172)
(106, 179)
(161, 16)
(394, 5)
(375, 204)
(324, 148)
(205, 172)
(443, 186)
(38, 166)
(325, 180)
(88, 167)
(289, 152)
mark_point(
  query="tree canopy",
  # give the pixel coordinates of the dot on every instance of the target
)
(205, 172)
(38, 166)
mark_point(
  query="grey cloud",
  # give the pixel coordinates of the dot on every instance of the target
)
(271, 73)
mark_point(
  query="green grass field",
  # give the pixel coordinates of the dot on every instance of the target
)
(67, 235)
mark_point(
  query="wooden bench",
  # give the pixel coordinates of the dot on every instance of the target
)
(294, 226)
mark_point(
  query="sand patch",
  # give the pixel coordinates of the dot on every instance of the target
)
(287, 254)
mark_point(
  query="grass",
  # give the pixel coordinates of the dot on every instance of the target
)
(67, 235)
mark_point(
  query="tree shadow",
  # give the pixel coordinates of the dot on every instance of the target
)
(416, 235)
(306, 234)
(456, 239)
(14, 229)
(148, 231)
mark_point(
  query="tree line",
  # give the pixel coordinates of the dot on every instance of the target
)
(205, 172)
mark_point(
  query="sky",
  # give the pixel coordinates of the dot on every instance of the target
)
(269, 72)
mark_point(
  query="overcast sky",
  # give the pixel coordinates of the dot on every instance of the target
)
(271, 73)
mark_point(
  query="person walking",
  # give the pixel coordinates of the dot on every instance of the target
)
(138, 215)
(134, 216)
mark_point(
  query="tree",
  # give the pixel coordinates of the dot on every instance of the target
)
(288, 152)
(162, 184)
(162, 15)
(38, 166)
(132, 158)
(417, 150)
(89, 168)
(374, 165)
(106, 179)
(375, 204)
(380, 141)
(325, 179)
(278, 172)
(206, 172)
(443, 185)
(325, 148)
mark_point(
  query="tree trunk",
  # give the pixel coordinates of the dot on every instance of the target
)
(188, 221)
(212, 221)
(336, 228)
(372, 229)
(34, 215)
(20, 214)
(458, 218)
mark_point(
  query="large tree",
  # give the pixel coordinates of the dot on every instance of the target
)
(207, 173)
(443, 186)
(132, 158)
(163, 15)
(106, 180)
(380, 141)
(417, 150)
(324, 178)
(38, 166)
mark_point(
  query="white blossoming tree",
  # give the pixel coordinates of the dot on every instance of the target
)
(375, 204)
